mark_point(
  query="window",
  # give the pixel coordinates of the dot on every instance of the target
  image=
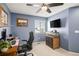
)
(3, 17)
(39, 26)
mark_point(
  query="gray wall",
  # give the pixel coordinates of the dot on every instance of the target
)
(23, 32)
(8, 28)
(63, 30)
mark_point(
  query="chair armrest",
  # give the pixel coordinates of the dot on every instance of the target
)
(24, 40)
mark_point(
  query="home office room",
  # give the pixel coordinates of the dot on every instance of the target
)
(39, 29)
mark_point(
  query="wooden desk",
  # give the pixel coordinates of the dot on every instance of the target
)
(53, 42)
(11, 52)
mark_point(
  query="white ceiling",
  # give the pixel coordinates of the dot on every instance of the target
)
(31, 10)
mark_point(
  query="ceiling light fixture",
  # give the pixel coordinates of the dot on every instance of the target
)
(44, 8)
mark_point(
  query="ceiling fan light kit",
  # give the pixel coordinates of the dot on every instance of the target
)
(44, 8)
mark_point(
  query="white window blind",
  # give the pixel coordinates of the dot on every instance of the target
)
(39, 26)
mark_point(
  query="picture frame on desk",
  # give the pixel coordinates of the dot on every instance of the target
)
(21, 22)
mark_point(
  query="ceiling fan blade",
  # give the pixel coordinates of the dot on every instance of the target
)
(33, 5)
(48, 10)
(38, 10)
(29, 4)
(55, 4)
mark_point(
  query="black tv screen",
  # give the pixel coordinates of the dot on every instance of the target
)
(55, 23)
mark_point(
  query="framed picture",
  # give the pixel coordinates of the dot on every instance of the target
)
(3, 18)
(21, 22)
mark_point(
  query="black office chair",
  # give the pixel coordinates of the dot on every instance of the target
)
(28, 46)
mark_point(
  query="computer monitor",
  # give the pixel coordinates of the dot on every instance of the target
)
(3, 34)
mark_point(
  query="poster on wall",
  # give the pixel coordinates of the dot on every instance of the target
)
(21, 22)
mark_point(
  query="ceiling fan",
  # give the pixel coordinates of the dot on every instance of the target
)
(45, 7)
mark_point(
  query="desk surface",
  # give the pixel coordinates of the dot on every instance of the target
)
(11, 52)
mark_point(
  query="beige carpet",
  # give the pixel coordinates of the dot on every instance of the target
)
(41, 49)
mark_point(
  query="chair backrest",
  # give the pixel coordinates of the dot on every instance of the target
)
(30, 41)
(31, 38)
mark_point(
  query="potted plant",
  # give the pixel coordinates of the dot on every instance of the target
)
(4, 45)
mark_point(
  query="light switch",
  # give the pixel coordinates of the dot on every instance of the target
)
(76, 31)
